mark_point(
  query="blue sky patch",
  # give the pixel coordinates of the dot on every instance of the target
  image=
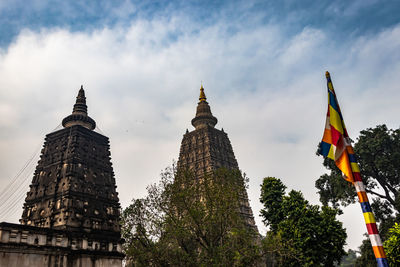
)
(340, 19)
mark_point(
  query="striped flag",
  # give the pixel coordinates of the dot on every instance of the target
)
(336, 142)
(336, 145)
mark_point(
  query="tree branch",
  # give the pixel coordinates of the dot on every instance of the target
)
(383, 183)
(380, 195)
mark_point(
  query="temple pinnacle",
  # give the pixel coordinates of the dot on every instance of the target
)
(203, 116)
(79, 114)
(80, 106)
(202, 94)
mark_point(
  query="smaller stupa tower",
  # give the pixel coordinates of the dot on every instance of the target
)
(71, 211)
(73, 187)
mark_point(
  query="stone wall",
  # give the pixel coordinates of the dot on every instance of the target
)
(22, 245)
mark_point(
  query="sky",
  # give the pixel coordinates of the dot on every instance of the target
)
(262, 64)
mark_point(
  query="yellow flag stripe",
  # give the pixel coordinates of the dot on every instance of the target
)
(335, 119)
(331, 153)
(330, 86)
(369, 217)
(355, 167)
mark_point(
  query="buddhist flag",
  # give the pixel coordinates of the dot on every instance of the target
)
(336, 145)
(336, 142)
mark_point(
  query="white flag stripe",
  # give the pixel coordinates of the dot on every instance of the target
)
(375, 240)
(359, 186)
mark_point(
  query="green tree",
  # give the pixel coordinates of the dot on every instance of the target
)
(392, 245)
(272, 193)
(349, 260)
(378, 154)
(186, 221)
(300, 234)
(367, 257)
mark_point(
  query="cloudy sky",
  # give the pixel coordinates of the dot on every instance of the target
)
(262, 64)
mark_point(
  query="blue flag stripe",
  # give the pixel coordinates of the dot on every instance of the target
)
(325, 147)
(365, 207)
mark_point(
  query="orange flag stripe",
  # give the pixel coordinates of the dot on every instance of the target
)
(362, 196)
(379, 252)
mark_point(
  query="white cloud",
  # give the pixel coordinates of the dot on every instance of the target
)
(267, 90)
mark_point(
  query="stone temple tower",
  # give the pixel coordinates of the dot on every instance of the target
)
(73, 186)
(71, 212)
(206, 149)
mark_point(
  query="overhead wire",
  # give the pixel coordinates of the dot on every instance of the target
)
(13, 193)
(17, 181)
(12, 207)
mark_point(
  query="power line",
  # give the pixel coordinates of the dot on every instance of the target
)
(13, 193)
(9, 190)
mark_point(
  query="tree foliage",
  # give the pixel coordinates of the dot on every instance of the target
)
(301, 234)
(378, 154)
(392, 245)
(272, 193)
(367, 257)
(349, 260)
(186, 221)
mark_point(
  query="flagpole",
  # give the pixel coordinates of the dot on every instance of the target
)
(347, 163)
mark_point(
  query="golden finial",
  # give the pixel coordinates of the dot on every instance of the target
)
(327, 74)
(202, 94)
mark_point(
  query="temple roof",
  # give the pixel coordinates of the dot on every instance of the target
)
(79, 114)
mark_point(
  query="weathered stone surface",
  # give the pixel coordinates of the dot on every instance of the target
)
(73, 185)
(22, 245)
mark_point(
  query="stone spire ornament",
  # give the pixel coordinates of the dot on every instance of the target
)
(203, 116)
(79, 114)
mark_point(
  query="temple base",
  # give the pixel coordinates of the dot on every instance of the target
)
(22, 245)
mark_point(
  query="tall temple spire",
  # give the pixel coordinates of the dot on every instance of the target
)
(203, 116)
(207, 149)
(79, 114)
